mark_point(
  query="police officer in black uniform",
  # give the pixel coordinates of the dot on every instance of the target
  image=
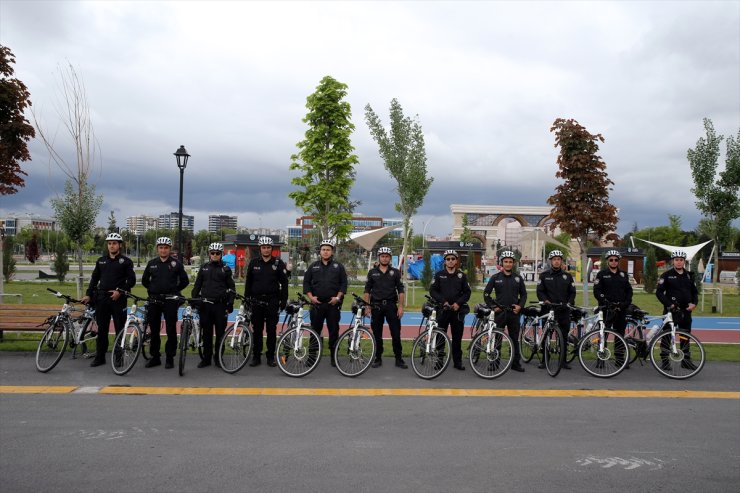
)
(267, 281)
(384, 287)
(450, 287)
(215, 284)
(510, 292)
(677, 292)
(164, 275)
(613, 285)
(325, 284)
(112, 271)
(557, 286)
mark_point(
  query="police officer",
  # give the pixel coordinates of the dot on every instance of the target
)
(215, 284)
(384, 287)
(164, 275)
(557, 286)
(612, 285)
(112, 271)
(267, 281)
(677, 292)
(325, 284)
(510, 292)
(450, 287)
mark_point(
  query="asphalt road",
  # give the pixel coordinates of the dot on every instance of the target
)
(90, 441)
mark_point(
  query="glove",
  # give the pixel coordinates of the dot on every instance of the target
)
(229, 308)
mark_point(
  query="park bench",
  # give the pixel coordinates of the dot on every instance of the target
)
(25, 317)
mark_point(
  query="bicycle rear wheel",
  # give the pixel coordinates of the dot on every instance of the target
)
(603, 361)
(235, 348)
(354, 352)
(430, 354)
(574, 337)
(298, 351)
(680, 361)
(553, 352)
(51, 347)
(185, 330)
(491, 360)
(633, 335)
(88, 340)
(126, 349)
(528, 339)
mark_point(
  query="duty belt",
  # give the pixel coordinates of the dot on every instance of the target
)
(387, 302)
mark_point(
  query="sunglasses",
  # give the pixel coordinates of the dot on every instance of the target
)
(613, 260)
(450, 259)
(215, 253)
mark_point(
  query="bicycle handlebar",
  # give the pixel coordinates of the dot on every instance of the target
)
(68, 298)
(138, 298)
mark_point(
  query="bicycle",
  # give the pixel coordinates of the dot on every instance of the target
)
(580, 324)
(355, 348)
(430, 353)
(64, 330)
(603, 352)
(236, 344)
(136, 334)
(491, 342)
(669, 350)
(543, 335)
(191, 333)
(636, 327)
(298, 348)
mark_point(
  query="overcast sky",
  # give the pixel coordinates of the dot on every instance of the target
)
(229, 80)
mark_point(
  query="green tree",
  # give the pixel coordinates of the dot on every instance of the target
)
(78, 207)
(581, 203)
(404, 156)
(426, 272)
(8, 260)
(650, 274)
(716, 193)
(470, 270)
(326, 161)
(61, 264)
(15, 129)
(112, 227)
(466, 236)
(32, 249)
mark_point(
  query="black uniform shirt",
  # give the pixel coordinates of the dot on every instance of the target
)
(509, 290)
(111, 273)
(679, 289)
(213, 280)
(613, 286)
(168, 277)
(384, 286)
(267, 278)
(452, 288)
(556, 286)
(325, 281)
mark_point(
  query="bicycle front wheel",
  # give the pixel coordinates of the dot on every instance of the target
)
(491, 355)
(126, 349)
(553, 356)
(354, 352)
(430, 354)
(680, 360)
(235, 348)
(603, 357)
(528, 339)
(298, 351)
(51, 347)
(185, 330)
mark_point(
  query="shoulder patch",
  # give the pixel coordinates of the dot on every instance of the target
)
(621, 274)
(565, 276)
(517, 279)
(459, 275)
(661, 280)
(120, 260)
(173, 263)
(596, 281)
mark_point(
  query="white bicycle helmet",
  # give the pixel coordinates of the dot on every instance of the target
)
(678, 254)
(213, 247)
(450, 252)
(507, 254)
(384, 250)
(163, 240)
(328, 242)
(114, 237)
(264, 240)
(613, 253)
(555, 253)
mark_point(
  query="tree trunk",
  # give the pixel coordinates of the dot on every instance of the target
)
(402, 258)
(80, 289)
(715, 268)
(584, 270)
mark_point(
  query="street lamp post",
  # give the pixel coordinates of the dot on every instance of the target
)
(138, 252)
(182, 161)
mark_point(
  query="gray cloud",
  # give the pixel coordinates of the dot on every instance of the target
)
(229, 81)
